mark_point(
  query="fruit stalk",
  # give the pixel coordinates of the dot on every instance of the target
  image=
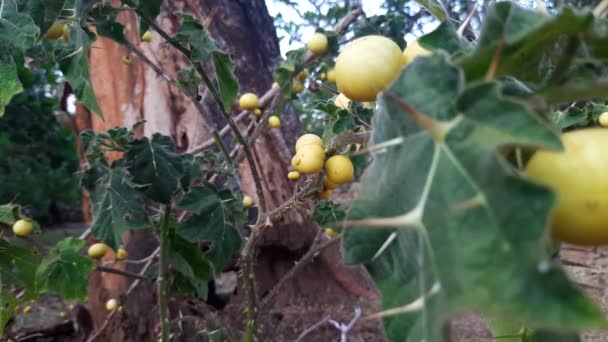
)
(163, 261)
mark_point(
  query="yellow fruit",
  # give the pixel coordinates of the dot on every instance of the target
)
(293, 175)
(317, 43)
(310, 159)
(257, 112)
(146, 37)
(303, 75)
(339, 169)
(293, 162)
(71, 307)
(121, 254)
(98, 250)
(274, 121)
(325, 194)
(367, 66)
(331, 76)
(603, 119)
(127, 60)
(249, 101)
(322, 76)
(275, 85)
(120, 308)
(578, 177)
(27, 309)
(307, 139)
(247, 201)
(62, 314)
(297, 87)
(66, 34)
(342, 101)
(414, 50)
(330, 232)
(329, 185)
(111, 304)
(55, 32)
(23, 228)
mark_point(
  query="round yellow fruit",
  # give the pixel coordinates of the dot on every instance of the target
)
(55, 32)
(331, 76)
(146, 37)
(367, 66)
(329, 185)
(127, 60)
(308, 139)
(293, 175)
(257, 112)
(111, 304)
(297, 87)
(274, 121)
(303, 75)
(249, 101)
(603, 119)
(322, 76)
(293, 162)
(98, 250)
(309, 159)
(330, 232)
(121, 254)
(66, 34)
(325, 194)
(578, 177)
(342, 101)
(23, 228)
(247, 201)
(317, 43)
(27, 309)
(414, 50)
(275, 85)
(339, 169)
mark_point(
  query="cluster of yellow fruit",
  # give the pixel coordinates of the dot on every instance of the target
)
(250, 102)
(58, 30)
(99, 250)
(310, 159)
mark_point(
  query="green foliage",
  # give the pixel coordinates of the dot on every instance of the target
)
(65, 270)
(18, 266)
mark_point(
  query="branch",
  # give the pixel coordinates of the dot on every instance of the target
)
(120, 272)
(312, 328)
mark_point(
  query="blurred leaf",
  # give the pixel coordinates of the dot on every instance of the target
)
(8, 303)
(435, 7)
(76, 71)
(224, 70)
(9, 80)
(9, 214)
(155, 165)
(17, 29)
(117, 207)
(152, 9)
(187, 259)
(453, 189)
(65, 270)
(44, 12)
(327, 213)
(18, 267)
(193, 33)
(445, 37)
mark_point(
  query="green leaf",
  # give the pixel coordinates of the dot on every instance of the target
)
(193, 33)
(18, 266)
(9, 80)
(117, 207)
(111, 29)
(435, 7)
(9, 214)
(456, 228)
(8, 303)
(445, 37)
(17, 29)
(187, 259)
(201, 199)
(155, 165)
(224, 70)
(328, 212)
(44, 12)
(75, 69)
(65, 270)
(152, 9)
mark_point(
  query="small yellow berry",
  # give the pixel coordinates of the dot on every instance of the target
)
(27, 309)
(146, 37)
(331, 76)
(322, 76)
(121, 254)
(257, 112)
(317, 43)
(247, 201)
(303, 75)
(275, 85)
(120, 308)
(274, 121)
(339, 169)
(23, 228)
(111, 304)
(249, 101)
(603, 119)
(331, 233)
(297, 87)
(71, 307)
(293, 175)
(127, 60)
(98, 250)
(62, 314)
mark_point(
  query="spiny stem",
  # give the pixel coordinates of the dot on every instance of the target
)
(163, 294)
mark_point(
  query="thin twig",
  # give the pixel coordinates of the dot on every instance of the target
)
(312, 328)
(120, 272)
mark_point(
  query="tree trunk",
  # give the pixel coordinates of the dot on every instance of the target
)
(129, 93)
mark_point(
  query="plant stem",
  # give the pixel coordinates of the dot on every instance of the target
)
(163, 294)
